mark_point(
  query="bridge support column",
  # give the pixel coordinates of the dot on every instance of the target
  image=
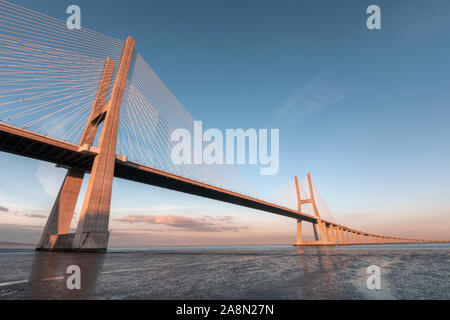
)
(323, 231)
(316, 235)
(338, 234)
(347, 234)
(341, 234)
(334, 236)
(60, 218)
(299, 232)
(344, 236)
(331, 234)
(92, 232)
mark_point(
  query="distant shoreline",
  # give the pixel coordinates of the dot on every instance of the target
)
(6, 244)
(16, 245)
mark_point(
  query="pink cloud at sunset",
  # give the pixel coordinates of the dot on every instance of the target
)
(204, 224)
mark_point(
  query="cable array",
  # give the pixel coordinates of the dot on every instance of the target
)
(149, 115)
(49, 75)
(322, 207)
(307, 208)
(285, 196)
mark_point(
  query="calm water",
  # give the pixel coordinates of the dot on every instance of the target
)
(271, 272)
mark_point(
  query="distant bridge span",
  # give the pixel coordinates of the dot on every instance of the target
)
(63, 154)
(32, 145)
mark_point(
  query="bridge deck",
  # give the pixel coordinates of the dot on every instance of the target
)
(32, 145)
(28, 144)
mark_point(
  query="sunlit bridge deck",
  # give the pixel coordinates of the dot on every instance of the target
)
(63, 154)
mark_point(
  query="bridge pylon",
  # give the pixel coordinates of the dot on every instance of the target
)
(92, 232)
(323, 232)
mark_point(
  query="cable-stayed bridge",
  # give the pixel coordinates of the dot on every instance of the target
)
(89, 103)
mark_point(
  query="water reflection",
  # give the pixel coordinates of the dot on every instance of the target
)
(291, 273)
(319, 274)
(49, 275)
(318, 257)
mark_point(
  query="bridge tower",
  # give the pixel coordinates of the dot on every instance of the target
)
(92, 232)
(319, 227)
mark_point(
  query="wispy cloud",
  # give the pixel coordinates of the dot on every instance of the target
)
(8, 208)
(203, 224)
(14, 212)
(156, 208)
(50, 178)
(39, 216)
(321, 91)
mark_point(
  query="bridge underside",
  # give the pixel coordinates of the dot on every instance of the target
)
(31, 145)
(24, 143)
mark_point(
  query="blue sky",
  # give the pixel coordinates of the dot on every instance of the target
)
(366, 112)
